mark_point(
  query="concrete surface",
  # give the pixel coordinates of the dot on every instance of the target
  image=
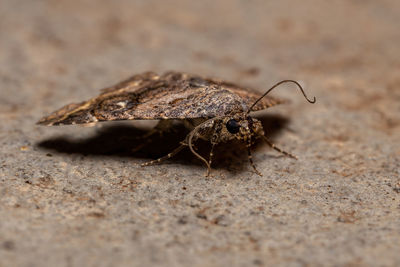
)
(74, 196)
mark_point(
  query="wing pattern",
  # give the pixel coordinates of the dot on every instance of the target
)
(173, 95)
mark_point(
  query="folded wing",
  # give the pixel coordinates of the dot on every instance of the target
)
(170, 96)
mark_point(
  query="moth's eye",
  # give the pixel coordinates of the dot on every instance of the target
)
(233, 126)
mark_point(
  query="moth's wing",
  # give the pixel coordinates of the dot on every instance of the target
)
(148, 96)
(79, 113)
(249, 96)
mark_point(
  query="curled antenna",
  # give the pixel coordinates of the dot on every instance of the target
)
(277, 84)
(192, 134)
(190, 142)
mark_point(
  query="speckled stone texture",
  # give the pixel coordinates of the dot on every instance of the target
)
(76, 196)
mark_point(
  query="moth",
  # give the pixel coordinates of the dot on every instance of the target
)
(212, 109)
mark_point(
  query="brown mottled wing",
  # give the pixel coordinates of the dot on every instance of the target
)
(149, 96)
(170, 96)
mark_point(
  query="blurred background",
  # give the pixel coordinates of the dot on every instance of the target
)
(72, 48)
(339, 204)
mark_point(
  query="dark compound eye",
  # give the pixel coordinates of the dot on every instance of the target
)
(233, 126)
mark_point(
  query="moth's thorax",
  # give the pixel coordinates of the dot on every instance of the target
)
(240, 127)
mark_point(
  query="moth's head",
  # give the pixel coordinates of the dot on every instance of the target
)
(243, 127)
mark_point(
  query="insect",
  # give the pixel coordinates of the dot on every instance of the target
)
(213, 110)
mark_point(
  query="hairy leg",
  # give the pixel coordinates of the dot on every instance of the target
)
(161, 127)
(250, 157)
(210, 159)
(278, 149)
(168, 156)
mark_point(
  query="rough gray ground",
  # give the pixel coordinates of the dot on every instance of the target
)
(73, 196)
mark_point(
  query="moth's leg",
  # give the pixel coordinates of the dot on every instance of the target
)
(278, 149)
(250, 157)
(189, 139)
(168, 156)
(202, 130)
(210, 159)
(215, 139)
(161, 127)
